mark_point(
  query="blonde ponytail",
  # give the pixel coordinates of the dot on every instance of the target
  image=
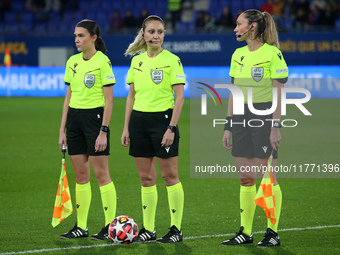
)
(266, 28)
(270, 35)
(137, 46)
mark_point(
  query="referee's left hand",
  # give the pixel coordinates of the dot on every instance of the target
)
(168, 138)
(101, 142)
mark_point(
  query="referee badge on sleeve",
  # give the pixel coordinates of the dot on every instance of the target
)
(257, 73)
(89, 80)
(157, 76)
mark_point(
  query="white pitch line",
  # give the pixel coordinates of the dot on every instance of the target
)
(185, 238)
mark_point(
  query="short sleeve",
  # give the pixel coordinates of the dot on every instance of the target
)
(68, 73)
(232, 66)
(278, 67)
(130, 74)
(177, 74)
(107, 75)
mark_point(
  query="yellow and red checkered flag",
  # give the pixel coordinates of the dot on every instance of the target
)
(7, 58)
(265, 196)
(63, 204)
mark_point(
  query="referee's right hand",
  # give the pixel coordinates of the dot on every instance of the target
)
(226, 140)
(62, 140)
(125, 139)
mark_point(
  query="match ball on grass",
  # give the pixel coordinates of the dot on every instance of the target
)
(123, 230)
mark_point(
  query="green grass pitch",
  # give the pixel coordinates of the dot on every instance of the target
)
(30, 167)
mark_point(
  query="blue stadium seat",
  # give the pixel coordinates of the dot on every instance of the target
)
(258, 3)
(185, 27)
(248, 4)
(10, 17)
(128, 5)
(66, 27)
(85, 5)
(236, 5)
(214, 6)
(90, 15)
(337, 25)
(286, 23)
(26, 26)
(152, 8)
(102, 19)
(18, 6)
(106, 5)
(40, 28)
(13, 28)
(52, 26)
(26, 17)
(226, 2)
(162, 5)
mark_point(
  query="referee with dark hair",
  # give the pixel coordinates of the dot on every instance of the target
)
(86, 116)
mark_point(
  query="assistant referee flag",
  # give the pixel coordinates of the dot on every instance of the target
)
(63, 204)
(265, 196)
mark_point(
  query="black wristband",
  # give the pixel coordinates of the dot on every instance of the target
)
(105, 129)
(227, 125)
(276, 124)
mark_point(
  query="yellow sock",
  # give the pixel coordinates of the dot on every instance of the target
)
(109, 201)
(278, 204)
(149, 204)
(83, 201)
(176, 204)
(247, 206)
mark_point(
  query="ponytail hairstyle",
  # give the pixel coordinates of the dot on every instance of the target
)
(139, 45)
(93, 28)
(266, 29)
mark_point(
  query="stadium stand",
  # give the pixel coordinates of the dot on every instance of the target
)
(50, 17)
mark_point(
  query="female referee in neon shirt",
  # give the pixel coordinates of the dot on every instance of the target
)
(86, 116)
(150, 128)
(261, 66)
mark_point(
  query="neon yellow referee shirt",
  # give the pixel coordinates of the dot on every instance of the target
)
(257, 69)
(87, 78)
(153, 79)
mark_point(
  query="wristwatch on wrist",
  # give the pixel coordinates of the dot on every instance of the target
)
(277, 124)
(105, 129)
(172, 128)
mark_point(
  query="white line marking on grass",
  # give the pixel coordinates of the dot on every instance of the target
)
(185, 238)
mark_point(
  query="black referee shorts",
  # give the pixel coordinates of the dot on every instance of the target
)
(82, 130)
(248, 138)
(146, 131)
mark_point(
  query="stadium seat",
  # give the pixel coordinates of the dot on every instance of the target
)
(236, 5)
(258, 3)
(13, 28)
(248, 4)
(337, 25)
(226, 2)
(286, 23)
(10, 17)
(40, 28)
(90, 15)
(85, 5)
(185, 27)
(26, 17)
(26, 26)
(18, 6)
(163, 5)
